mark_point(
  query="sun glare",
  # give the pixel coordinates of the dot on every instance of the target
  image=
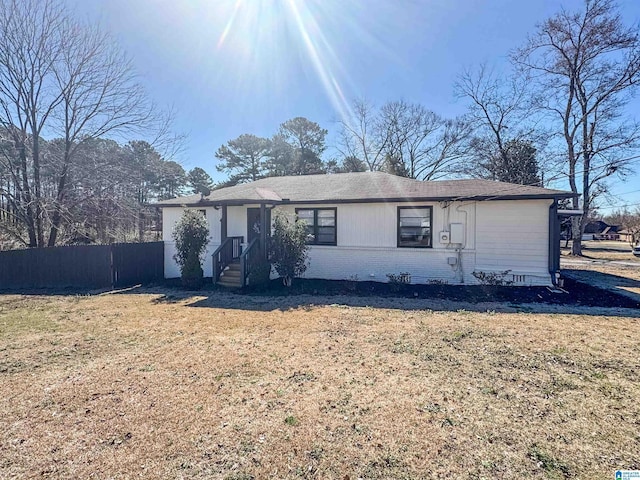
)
(229, 25)
(321, 54)
(266, 32)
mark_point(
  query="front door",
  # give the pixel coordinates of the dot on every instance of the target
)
(253, 223)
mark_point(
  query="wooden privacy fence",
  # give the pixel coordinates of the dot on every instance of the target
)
(99, 266)
(134, 263)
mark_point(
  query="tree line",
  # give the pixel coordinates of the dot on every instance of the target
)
(399, 138)
(107, 198)
(68, 92)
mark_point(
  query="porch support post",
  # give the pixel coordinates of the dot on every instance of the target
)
(223, 225)
(263, 230)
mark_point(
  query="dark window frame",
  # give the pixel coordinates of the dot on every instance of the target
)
(315, 210)
(398, 236)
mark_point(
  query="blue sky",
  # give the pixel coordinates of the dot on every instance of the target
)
(231, 67)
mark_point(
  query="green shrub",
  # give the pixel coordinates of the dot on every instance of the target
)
(259, 275)
(191, 235)
(288, 249)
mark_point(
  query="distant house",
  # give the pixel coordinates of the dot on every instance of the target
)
(626, 236)
(372, 225)
(600, 230)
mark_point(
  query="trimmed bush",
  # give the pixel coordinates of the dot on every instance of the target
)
(191, 235)
(288, 249)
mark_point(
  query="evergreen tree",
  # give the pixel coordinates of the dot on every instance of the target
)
(517, 164)
(244, 158)
(200, 181)
(307, 141)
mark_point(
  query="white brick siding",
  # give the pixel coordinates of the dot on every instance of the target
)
(498, 236)
(370, 263)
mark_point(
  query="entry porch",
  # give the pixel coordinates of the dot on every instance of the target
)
(244, 233)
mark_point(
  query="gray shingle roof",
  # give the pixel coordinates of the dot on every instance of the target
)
(363, 187)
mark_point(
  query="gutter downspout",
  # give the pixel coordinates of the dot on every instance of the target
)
(464, 244)
(554, 242)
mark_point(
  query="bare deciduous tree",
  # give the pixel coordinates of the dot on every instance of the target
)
(100, 95)
(419, 142)
(500, 112)
(405, 139)
(59, 78)
(587, 64)
(362, 137)
(30, 46)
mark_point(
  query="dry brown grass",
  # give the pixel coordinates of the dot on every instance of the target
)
(605, 250)
(621, 276)
(616, 255)
(138, 385)
(623, 271)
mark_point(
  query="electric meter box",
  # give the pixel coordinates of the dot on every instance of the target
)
(456, 233)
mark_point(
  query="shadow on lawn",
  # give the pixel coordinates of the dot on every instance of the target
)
(404, 297)
(621, 249)
(305, 293)
(608, 282)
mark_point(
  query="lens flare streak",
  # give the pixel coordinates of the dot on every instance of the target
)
(230, 23)
(327, 78)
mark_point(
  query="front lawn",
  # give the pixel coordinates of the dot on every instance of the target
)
(167, 385)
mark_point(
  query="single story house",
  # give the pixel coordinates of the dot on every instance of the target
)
(600, 230)
(376, 226)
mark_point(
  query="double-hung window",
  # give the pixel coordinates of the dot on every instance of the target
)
(414, 227)
(321, 225)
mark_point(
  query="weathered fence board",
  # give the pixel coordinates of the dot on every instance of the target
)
(135, 263)
(95, 266)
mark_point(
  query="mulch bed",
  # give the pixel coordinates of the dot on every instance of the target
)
(578, 293)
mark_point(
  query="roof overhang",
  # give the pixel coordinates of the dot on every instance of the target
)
(570, 213)
(478, 198)
(217, 203)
